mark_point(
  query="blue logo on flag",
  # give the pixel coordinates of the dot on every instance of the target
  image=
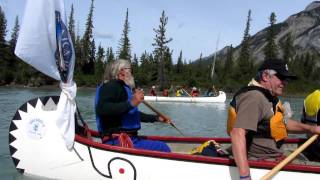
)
(63, 52)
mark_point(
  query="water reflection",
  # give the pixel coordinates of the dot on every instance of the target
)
(193, 119)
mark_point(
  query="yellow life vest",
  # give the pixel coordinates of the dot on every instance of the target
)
(179, 93)
(273, 127)
(311, 108)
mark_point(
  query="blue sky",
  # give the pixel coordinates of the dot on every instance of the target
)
(194, 25)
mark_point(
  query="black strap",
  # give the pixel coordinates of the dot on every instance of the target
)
(84, 124)
(80, 116)
(264, 91)
(305, 118)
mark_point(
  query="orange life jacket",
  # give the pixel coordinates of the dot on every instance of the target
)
(273, 127)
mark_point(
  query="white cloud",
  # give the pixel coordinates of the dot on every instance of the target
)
(103, 35)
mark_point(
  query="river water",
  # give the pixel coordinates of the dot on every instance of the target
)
(201, 120)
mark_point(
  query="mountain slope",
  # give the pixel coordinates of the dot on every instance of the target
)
(303, 26)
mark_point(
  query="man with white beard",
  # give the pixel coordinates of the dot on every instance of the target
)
(117, 108)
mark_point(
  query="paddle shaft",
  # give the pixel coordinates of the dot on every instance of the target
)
(186, 92)
(160, 114)
(284, 162)
(174, 126)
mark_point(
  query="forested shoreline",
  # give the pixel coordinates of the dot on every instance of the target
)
(157, 67)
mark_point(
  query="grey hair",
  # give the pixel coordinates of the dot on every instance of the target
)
(112, 70)
(260, 73)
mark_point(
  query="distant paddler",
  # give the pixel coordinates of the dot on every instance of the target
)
(194, 92)
(153, 91)
(179, 92)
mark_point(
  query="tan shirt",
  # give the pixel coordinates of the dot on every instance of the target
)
(252, 107)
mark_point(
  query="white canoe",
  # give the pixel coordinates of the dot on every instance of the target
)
(37, 149)
(220, 98)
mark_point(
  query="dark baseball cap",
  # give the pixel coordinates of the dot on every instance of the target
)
(279, 66)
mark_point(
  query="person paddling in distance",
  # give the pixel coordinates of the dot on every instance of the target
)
(257, 121)
(179, 92)
(194, 92)
(153, 91)
(165, 93)
(117, 108)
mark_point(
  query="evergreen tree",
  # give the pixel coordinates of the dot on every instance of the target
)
(153, 69)
(71, 26)
(135, 64)
(179, 65)
(78, 54)
(14, 62)
(14, 35)
(145, 74)
(92, 57)
(315, 74)
(100, 54)
(228, 65)
(86, 56)
(288, 49)
(271, 49)
(4, 51)
(110, 55)
(228, 77)
(168, 67)
(219, 69)
(99, 64)
(198, 68)
(244, 63)
(3, 27)
(124, 51)
(161, 47)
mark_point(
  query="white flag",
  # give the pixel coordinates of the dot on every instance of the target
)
(45, 43)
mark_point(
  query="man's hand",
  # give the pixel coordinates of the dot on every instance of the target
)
(315, 129)
(165, 119)
(138, 97)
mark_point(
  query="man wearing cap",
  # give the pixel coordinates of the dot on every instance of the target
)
(257, 121)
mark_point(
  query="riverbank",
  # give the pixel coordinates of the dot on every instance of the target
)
(146, 89)
(44, 87)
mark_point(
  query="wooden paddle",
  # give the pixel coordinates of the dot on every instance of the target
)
(186, 92)
(160, 114)
(284, 162)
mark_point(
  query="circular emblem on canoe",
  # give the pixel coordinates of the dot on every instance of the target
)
(36, 129)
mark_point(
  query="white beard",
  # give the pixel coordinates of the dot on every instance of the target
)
(129, 80)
